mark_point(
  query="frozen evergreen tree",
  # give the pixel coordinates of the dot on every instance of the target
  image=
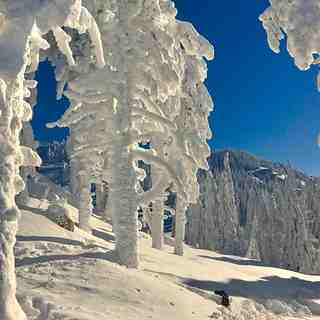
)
(26, 139)
(87, 55)
(145, 94)
(86, 169)
(22, 27)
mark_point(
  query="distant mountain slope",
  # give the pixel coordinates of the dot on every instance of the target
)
(258, 209)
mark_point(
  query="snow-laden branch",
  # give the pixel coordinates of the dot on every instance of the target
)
(151, 106)
(30, 158)
(89, 23)
(37, 43)
(299, 21)
(193, 43)
(154, 117)
(150, 158)
(23, 25)
(82, 20)
(63, 40)
(157, 191)
(92, 98)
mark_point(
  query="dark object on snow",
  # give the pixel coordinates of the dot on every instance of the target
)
(65, 222)
(225, 298)
(60, 214)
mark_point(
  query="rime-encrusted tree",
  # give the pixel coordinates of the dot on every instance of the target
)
(149, 92)
(89, 164)
(299, 21)
(22, 25)
(193, 131)
(154, 211)
(170, 110)
(101, 192)
(86, 161)
(88, 123)
(145, 94)
(26, 139)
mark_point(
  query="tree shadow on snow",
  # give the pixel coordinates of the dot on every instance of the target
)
(272, 287)
(39, 211)
(103, 235)
(27, 261)
(241, 262)
(50, 239)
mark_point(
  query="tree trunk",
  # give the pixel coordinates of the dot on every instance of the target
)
(27, 140)
(107, 212)
(173, 231)
(23, 196)
(123, 197)
(9, 307)
(10, 185)
(157, 225)
(180, 225)
(124, 206)
(100, 197)
(74, 181)
(85, 204)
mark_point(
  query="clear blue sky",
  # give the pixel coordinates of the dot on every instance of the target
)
(263, 103)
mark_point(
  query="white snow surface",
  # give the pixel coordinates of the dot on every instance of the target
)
(65, 275)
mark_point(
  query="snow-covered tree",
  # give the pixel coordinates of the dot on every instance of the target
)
(101, 192)
(157, 224)
(84, 56)
(145, 94)
(22, 25)
(153, 205)
(299, 22)
(89, 170)
(86, 146)
(26, 139)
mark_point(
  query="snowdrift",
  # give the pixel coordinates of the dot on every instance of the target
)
(72, 275)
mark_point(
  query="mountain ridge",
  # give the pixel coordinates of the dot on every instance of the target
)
(258, 209)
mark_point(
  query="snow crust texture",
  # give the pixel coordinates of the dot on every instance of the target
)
(74, 279)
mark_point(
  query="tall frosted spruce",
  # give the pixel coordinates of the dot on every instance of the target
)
(149, 92)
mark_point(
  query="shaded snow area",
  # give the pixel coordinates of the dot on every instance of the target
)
(73, 276)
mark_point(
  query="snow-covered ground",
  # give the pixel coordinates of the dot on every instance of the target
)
(73, 276)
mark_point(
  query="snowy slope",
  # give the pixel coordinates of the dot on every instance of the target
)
(76, 278)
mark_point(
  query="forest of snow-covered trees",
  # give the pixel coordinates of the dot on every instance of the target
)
(135, 79)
